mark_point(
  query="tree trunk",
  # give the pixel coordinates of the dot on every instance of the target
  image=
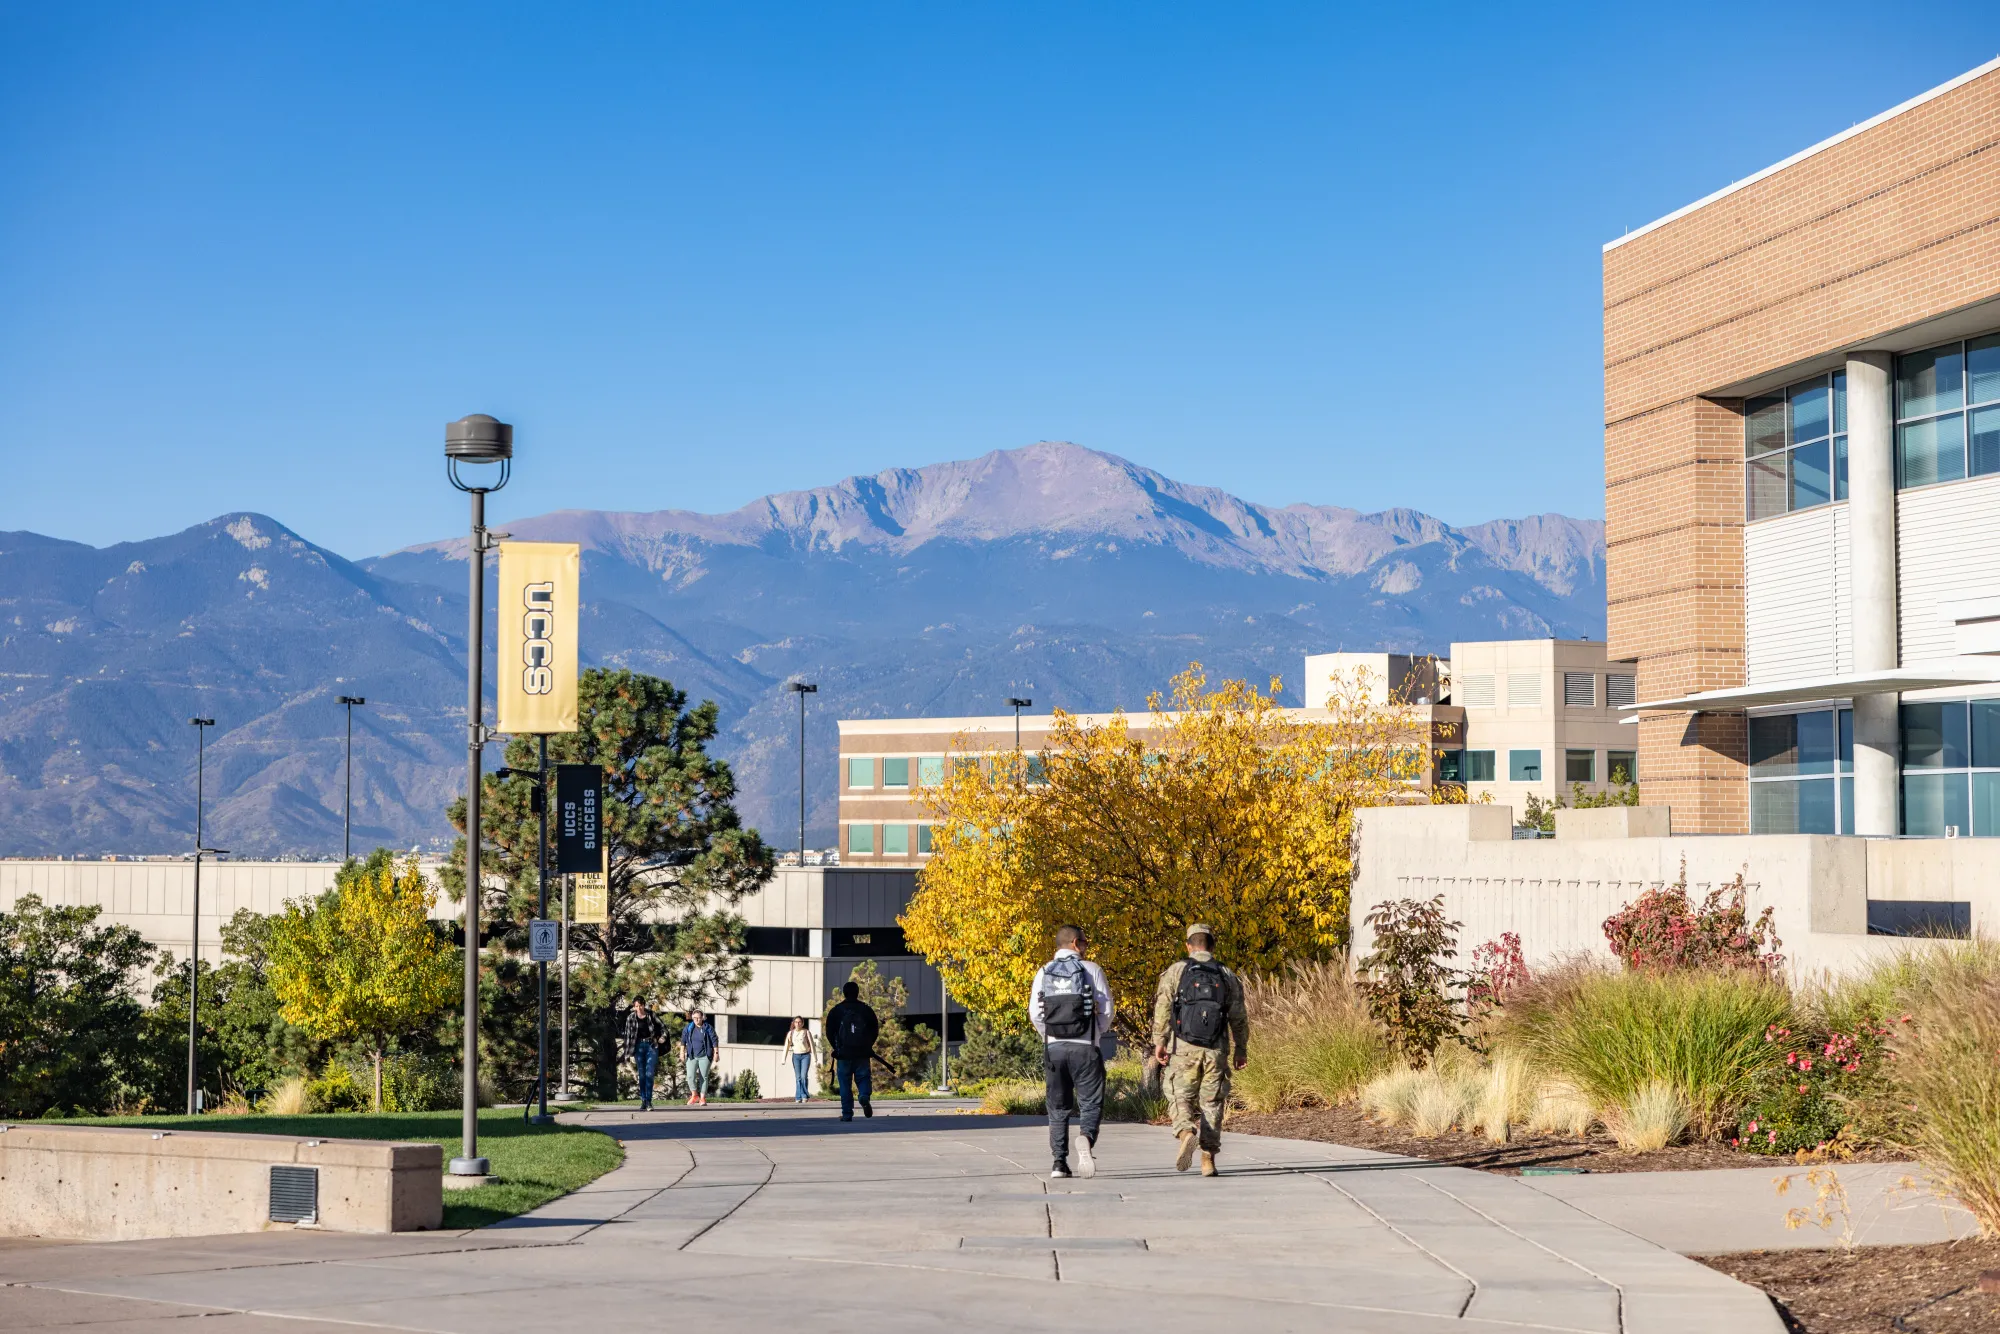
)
(378, 1081)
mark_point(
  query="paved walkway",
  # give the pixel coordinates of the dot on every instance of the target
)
(922, 1219)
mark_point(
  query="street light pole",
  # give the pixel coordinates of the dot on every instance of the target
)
(1019, 704)
(474, 439)
(201, 726)
(347, 801)
(802, 689)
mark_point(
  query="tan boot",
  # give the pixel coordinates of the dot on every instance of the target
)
(1185, 1158)
(1208, 1164)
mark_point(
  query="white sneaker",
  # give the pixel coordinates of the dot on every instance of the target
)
(1086, 1166)
(1059, 1173)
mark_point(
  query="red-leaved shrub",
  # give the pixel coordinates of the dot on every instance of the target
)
(1664, 931)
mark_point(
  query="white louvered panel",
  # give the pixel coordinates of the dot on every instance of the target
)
(1947, 549)
(1478, 691)
(1791, 587)
(1524, 690)
(1843, 593)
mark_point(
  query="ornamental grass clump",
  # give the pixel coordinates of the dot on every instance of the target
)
(1611, 1035)
(1650, 1119)
(1316, 1045)
(1946, 1051)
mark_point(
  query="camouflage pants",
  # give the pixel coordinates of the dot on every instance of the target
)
(1197, 1088)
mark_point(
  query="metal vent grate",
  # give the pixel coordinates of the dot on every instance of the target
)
(1477, 691)
(1619, 692)
(294, 1194)
(1580, 690)
(1524, 690)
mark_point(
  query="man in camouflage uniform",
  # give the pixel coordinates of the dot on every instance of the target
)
(1197, 1077)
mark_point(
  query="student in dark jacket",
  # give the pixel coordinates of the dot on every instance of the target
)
(851, 1030)
(642, 1048)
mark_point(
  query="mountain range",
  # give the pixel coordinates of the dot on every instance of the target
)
(1054, 572)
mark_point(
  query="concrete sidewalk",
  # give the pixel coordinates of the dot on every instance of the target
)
(925, 1218)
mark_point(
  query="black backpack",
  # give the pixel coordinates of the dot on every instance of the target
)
(1201, 1004)
(1069, 1002)
(849, 1038)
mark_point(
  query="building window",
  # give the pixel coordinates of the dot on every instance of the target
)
(924, 840)
(1795, 447)
(1038, 771)
(1477, 765)
(895, 840)
(861, 838)
(895, 773)
(1478, 691)
(1620, 691)
(1948, 412)
(1580, 690)
(930, 770)
(1799, 767)
(793, 942)
(860, 772)
(1451, 766)
(758, 1030)
(1622, 766)
(1579, 766)
(866, 942)
(1524, 690)
(1951, 768)
(1524, 766)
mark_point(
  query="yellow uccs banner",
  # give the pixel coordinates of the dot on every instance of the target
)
(592, 902)
(537, 668)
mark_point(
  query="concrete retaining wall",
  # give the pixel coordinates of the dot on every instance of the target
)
(114, 1183)
(1556, 893)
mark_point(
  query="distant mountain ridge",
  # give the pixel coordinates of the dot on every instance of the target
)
(1071, 576)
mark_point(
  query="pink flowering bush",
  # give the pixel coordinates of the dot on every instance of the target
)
(1663, 930)
(1807, 1101)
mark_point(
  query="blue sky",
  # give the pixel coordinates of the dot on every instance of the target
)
(254, 256)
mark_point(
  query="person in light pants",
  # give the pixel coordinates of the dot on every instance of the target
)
(698, 1049)
(799, 1045)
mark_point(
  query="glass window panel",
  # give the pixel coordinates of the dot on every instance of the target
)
(861, 772)
(1982, 365)
(1934, 735)
(1847, 741)
(1930, 451)
(1840, 467)
(1818, 743)
(1810, 411)
(1774, 744)
(1933, 802)
(1579, 766)
(1524, 766)
(1774, 808)
(1929, 381)
(1622, 766)
(896, 840)
(1451, 766)
(923, 838)
(1764, 487)
(1812, 476)
(1038, 770)
(1816, 808)
(1847, 805)
(861, 838)
(1986, 733)
(1839, 401)
(930, 770)
(895, 773)
(1479, 766)
(1985, 443)
(1763, 425)
(1985, 806)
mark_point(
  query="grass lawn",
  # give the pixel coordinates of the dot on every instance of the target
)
(531, 1164)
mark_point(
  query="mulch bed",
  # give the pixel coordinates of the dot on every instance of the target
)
(1598, 1153)
(1874, 1289)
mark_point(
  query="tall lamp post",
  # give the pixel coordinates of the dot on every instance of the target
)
(347, 801)
(201, 726)
(483, 440)
(1018, 705)
(802, 689)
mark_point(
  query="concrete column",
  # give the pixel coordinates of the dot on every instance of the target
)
(1871, 546)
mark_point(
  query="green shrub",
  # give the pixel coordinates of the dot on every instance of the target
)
(997, 1047)
(337, 1090)
(747, 1088)
(1316, 1044)
(1406, 980)
(413, 1082)
(1612, 1034)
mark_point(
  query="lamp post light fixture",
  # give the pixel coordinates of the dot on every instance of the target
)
(201, 726)
(802, 689)
(477, 439)
(347, 800)
(1018, 705)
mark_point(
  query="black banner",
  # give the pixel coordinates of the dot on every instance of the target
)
(579, 790)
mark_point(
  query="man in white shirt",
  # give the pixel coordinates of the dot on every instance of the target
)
(1070, 1006)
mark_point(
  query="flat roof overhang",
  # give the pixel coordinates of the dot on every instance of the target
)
(1936, 676)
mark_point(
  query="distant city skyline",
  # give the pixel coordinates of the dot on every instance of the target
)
(255, 258)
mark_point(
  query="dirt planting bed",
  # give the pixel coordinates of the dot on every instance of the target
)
(1598, 1153)
(1875, 1289)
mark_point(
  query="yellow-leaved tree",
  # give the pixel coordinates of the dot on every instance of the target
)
(363, 962)
(1222, 808)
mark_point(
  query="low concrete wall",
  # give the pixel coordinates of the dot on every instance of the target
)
(1556, 893)
(113, 1183)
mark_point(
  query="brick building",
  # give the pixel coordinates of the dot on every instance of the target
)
(1802, 474)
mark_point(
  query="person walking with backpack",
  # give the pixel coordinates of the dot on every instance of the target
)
(1201, 1032)
(1070, 1006)
(851, 1029)
(642, 1048)
(699, 1049)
